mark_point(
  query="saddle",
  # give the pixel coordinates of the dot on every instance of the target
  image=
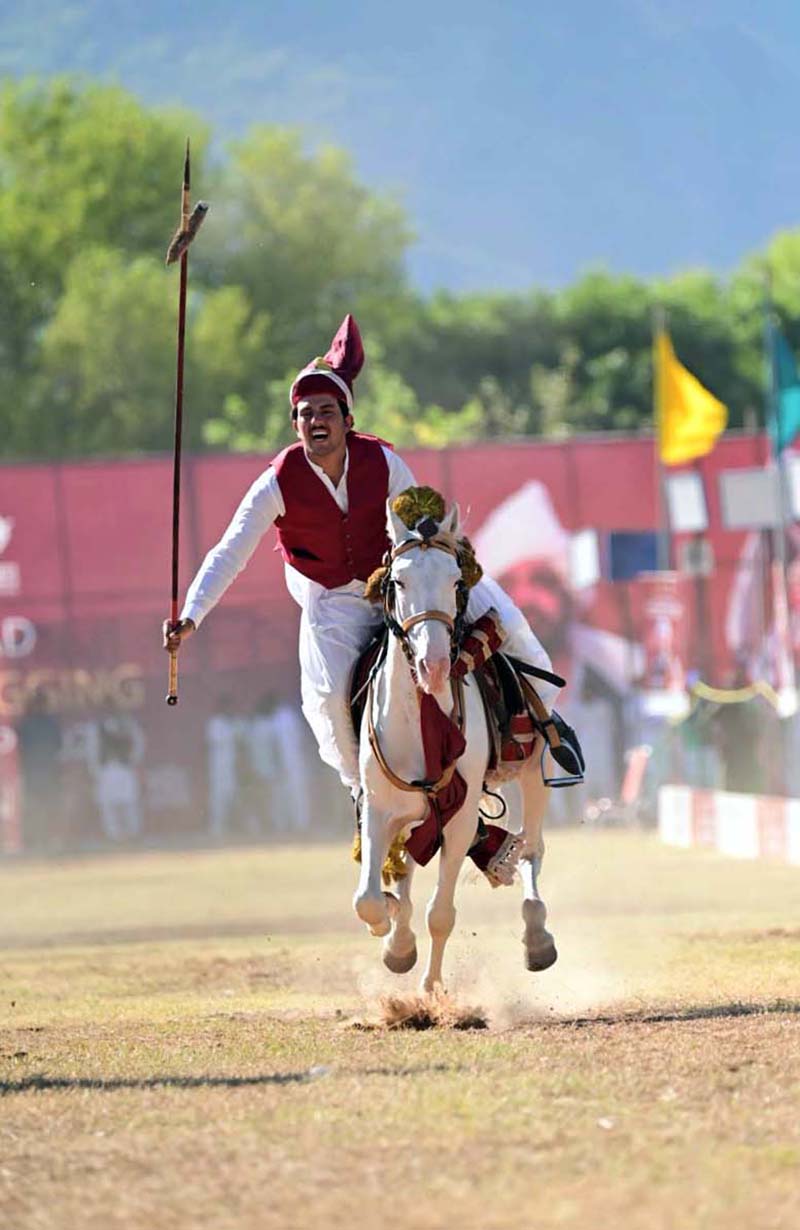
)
(368, 661)
(516, 714)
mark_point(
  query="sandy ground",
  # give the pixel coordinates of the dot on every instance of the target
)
(182, 1044)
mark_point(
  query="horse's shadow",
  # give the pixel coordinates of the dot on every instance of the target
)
(40, 1082)
(695, 1012)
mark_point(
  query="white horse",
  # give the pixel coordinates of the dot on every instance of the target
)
(425, 578)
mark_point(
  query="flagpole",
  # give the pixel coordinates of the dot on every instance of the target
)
(785, 672)
(663, 545)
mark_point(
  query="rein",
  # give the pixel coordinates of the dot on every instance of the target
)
(429, 788)
(400, 629)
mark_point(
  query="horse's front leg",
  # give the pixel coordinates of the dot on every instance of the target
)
(370, 902)
(400, 946)
(441, 913)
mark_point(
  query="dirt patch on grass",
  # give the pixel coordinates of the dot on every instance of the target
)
(420, 1012)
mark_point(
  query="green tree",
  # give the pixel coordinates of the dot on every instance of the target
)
(108, 357)
(88, 199)
(306, 241)
(86, 164)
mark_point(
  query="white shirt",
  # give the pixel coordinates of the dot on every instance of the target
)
(254, 516)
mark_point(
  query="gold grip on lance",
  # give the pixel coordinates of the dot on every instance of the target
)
(172, 692)
(184, 235)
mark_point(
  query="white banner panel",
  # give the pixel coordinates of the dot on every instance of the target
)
(686, 502)
(793, 830)
(737, 824)
(749, 499)
(675, 815)
(584, 559)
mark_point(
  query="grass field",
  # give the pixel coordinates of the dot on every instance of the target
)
(185, 1042)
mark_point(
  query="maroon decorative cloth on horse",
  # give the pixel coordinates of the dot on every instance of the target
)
(444, 744)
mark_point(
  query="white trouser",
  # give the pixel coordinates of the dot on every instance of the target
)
(334, 628)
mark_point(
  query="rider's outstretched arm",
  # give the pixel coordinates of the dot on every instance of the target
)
(256, 513)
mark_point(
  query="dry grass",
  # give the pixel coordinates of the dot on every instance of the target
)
(177, 1050)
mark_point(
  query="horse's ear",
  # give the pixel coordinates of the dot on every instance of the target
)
(397, 528)
(451, 520)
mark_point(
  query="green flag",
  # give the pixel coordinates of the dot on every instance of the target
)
(785, 418)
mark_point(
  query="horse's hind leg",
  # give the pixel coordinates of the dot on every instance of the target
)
(540, 948)
(400, 946)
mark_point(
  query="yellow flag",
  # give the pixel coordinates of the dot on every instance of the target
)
(689, 418)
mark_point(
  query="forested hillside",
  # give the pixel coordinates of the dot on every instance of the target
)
(89, 194)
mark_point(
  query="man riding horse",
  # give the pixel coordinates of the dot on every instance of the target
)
(327, 496)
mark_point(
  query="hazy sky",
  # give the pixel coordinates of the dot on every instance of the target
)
(528, 140)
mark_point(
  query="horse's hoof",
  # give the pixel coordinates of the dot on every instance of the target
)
(543, 956)
(399, 963)
(540, 948)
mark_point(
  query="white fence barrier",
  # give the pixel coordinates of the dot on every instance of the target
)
(739, 825)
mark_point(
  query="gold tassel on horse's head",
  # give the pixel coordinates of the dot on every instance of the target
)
(415, 503)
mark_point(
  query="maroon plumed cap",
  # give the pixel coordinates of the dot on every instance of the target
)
(338, 368)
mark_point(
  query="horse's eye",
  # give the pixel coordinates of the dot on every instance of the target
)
(399, 584)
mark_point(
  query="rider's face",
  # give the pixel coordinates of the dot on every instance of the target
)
(321, 426)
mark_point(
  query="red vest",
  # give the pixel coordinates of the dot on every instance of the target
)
(315, 536)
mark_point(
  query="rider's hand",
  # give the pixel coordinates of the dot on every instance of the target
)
(175, 633)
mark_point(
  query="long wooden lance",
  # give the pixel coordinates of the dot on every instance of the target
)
(190, 224)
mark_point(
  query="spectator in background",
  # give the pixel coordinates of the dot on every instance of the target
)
(39, 750)
(117, 784)
(279, 754)
(265, 755)
(224, 738)
(739, 732)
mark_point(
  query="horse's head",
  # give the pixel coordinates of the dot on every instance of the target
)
(424, 592)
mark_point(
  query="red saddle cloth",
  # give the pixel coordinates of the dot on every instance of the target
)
(517, 730)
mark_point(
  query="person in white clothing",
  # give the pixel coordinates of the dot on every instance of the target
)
(223, 737)
(326, 496)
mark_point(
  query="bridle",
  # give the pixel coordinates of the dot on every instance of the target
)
(429, 541)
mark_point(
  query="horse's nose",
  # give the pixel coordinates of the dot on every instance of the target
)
(434, 673)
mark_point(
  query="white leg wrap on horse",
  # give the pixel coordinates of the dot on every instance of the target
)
(540, 948)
